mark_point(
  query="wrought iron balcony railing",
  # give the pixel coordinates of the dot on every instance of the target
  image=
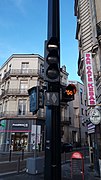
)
(65, 120)
(15, 114)
(15, 92)
(98, 25)
(23, 72)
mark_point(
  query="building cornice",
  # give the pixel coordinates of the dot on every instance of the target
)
(22, 56)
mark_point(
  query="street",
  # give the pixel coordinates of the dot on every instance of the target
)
(66, 174)
(10, 171)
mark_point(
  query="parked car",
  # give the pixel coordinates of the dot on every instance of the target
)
(66, 147)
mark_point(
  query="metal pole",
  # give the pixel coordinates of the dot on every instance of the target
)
(53, 132)
(96, 152)
(53, 150)
(48, 154)
(22, 154)
(53, 19)
(35, 151)
(10, 154)
(18, 165)
(80, 130)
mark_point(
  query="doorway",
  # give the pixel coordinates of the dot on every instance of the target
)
(19, 141)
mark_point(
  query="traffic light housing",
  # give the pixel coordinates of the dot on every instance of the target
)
(52, 60)
(36, 96)
(68, 92)
(40, 98)
(33, 98)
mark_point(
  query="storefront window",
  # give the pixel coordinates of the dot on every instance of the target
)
(19, 141)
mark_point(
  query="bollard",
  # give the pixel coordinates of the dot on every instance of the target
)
(22, 154)
(10, 153)
(65, 156)
(39, 147)
(18, 165)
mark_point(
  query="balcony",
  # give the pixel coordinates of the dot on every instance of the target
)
(13, 114)
(14, 92)
(65, 121)
(22, 72)
(98, 25)
(25, 115)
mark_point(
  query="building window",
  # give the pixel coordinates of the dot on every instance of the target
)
(5, 107)
(81, 93)
(24, 67)
(82, 111)
(10, 67)
(86, 112)
(1, 109)
(41, 69)
(3, 88)
(8, 85)
(70, 120)
(74, 138)
(22, 107)
(4, 72)
(85, 102)
(23, 86)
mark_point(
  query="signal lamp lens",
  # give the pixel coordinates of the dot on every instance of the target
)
(52, 46)
(68, 92)
(52, 57)
(52, 72)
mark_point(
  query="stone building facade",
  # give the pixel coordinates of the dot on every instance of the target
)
(88, 34)
(77, 111)
(18, 125)
(18, 74)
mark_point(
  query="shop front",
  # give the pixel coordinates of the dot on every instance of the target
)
(18, 134)
(19, 137)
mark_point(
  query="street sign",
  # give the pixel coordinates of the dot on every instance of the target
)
(91, 128)
(95, 116)
(51, 99)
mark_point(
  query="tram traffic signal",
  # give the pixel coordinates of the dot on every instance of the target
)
(36, 96)
(51, 65)
(40, 97)
(68, 92)
(33, 98)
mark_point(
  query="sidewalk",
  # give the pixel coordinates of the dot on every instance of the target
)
(89, 174)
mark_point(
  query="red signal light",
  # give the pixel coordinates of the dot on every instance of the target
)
(71, 89)
(68, 92)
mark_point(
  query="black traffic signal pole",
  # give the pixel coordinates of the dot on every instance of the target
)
(53, 121)
(53, 19)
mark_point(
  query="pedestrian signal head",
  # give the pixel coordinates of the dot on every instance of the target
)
(68, 93)
(70, 89)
